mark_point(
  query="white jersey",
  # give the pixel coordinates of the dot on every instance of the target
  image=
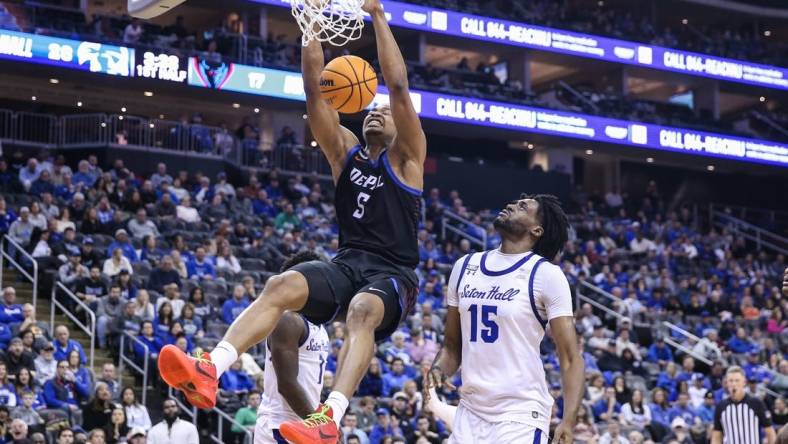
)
(505, 302)
(312, 356)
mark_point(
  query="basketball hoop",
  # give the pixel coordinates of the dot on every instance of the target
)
(333, 21)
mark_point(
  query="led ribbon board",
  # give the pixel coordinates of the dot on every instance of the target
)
(523, 35)
(451, 108)
(73, 54)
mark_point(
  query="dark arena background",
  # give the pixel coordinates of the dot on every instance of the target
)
(182, 144)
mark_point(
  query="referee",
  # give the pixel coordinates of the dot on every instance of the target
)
(740, 418)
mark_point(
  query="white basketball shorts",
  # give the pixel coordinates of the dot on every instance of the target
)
(471, 429)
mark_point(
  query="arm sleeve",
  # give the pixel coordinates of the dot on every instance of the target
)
(452, 298)
(552, 291)
(764, 416)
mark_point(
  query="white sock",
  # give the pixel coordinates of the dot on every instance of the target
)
(223, 357)
(338, 403)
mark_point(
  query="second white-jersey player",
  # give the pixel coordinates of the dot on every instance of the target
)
(500, 304)
(289, 395)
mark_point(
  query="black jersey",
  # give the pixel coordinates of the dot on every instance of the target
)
(376, 211)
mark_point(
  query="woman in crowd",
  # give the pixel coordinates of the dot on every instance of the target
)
(90, 223)
(83, 377)
(97, 411)
(116, 429)
(65, 221)
(143, 308)
(115, 263)
(202, 309)
(164, 320)
(192, 324)
(151, 251)
(585, 431)
(225, 259)
(136, 413)
(127, 288)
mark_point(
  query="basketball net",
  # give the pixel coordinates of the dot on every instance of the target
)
(333, 21)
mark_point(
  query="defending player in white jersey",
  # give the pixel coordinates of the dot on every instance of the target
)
(500, 303)
(297, 351)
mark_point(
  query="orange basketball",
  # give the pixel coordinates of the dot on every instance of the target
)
(348, 84)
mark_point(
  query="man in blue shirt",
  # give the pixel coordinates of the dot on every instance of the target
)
(396, 379)
(607, 406)
(7, 217)
(739, 344)
(122, 242)
(62, 392)
(64, 345)
(683, 409)
(201, 267)
(10, 311)
(659, 352)
(383, 428)
(233, 307)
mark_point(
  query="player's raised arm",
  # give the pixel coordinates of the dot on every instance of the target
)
(283, 343)
(572, 375)
(410, 143)
(333, 138)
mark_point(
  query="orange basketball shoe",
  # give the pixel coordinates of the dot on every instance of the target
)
(317, 428)
(195, 376)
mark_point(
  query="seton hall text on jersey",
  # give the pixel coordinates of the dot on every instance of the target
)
(371, 182)
(318, 346)
(493, 294)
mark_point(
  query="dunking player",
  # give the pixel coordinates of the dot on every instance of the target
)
(297, 351)
(500, 303)
(371, 279)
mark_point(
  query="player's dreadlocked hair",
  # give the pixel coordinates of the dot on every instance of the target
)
(303, 256)
(555, 224)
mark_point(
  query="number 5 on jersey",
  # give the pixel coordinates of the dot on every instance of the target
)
(361, 200)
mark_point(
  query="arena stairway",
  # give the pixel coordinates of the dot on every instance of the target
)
(24, 294)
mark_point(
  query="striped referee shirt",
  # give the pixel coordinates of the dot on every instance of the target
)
(741, 422)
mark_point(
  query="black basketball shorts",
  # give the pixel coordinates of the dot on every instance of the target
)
(332, 285)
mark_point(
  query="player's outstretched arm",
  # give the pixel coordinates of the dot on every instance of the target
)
(283, 344)
(410, 144)
(333, 138)
(448, 360)
(572, 375)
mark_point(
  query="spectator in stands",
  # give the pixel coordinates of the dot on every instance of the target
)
(116, 429)
(263, 206)
(18, 358)
(116, 263)
(123, 242)
(82, 376)
(659, 353)
(160, 175)
(287, 219)
(150, 251)
(98, 410)
(133, 32)
(201, 266)
(143, 308)
(90, 256)
(27, 413)
(223, 187)
(613, 434)
(21, 229)
(350, 427)
(8, 396)
(164, 275)
(63, 393)
(141, 226)
(225, 260)
(128, 322)
(192, 324)
(233, 307)
(202, 309)
(383, 427)
(166, 206)
(72, 271)
(173, 298)
(10, 311)
(97, 436)
(136, 413)
(398, 349)
(740, 343)
(45, 363)
(109, 376)
(372, 383)
(236, 380)
(7, 215)
(65, 436)
(90, 288)
(607, 407)
(246, 417)
(396, 378)
(18, 432)
(84, 178)
(173, 429)
(186, 213)
(30, 173)
(64, 346)
(110, 308)
(151, 344)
